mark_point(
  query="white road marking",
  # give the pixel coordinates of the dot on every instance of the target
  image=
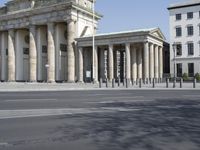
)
(123, 97)
(8, 114)
(4, 144)
(28, 100)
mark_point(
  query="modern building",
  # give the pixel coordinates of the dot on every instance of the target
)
(51, 40)
(185, 35)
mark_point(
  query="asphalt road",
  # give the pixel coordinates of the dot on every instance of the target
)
(100, 120)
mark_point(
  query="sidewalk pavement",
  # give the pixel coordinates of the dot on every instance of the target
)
(25, 87)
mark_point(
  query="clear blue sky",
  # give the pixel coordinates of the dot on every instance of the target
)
(122, 15)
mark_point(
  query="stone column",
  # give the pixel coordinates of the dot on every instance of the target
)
(151, 61)
(160, 62)
(110, 63)
(156, 62)
(139, 51)
(115, 64)
(128, 61)
(3, 56)
(146, 62)
(134, 64)
(95, 64)
(70, 51)
(51, 53)
(11, 56)
(33, 54)
(80, 52)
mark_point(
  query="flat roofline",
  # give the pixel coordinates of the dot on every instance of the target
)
(183, 6)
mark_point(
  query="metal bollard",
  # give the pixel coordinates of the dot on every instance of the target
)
(140, 83)
(113, 83)
(124, 81)
(194, 82)
(154, 82)
(100, 83)
(181, 83)
(118, 82)
(127, 83)
(106, 82)
(167, 82)
(174, 83)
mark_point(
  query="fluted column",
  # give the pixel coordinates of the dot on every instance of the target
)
(139, 51)
(110, 63)
(95, 64)
(156, 62)
(146, 62)
(160, 62)
(51, 53)
(128, 61)
(3, 56)
(134, 64)
(33, 54)
(70, 51)
(80, 52)
(151, 61)
(11, 56)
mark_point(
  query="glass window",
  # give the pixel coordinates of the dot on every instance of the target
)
(178, 49)
(179, 70)
(178, 16)
(178, 31)
(190, 30)
(189, 15)
(190, 48)
(191, 69)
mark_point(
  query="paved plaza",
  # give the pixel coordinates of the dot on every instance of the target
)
(100, 120)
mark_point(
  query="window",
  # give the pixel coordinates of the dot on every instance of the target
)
(179, 70)
(178, 31)
(190, 48)
(189, 15)
(191, 69)
(199, 48)
(190, 30)
(178, 16)
(178, 49)
(199, 29)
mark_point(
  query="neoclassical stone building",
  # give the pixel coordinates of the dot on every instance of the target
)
(50, 40)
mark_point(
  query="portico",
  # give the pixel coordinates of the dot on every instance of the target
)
(131, 55)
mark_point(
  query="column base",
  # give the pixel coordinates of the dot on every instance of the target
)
(70, 81)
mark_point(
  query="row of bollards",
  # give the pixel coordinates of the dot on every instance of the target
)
(180, 82)
(139, 82)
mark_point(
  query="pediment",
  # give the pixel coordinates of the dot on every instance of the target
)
(157, 33)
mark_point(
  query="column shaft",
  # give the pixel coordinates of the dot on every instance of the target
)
(80, 50)
(128, 61)
(33, 54)
(11, 56)
(51, 53)
(95, 64)
(160, 62)
(110, 63)
(134, 64)
(3, 56)
(139, 51)
(146, 61)
(151, 61)
(156, 62)
(70, 51)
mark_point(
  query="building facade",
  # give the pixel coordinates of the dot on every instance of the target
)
(37, 38)
(133, 55)
(50, 40)
(185, 34)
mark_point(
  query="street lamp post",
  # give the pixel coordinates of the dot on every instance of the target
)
(174, 50)
(93, 39)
